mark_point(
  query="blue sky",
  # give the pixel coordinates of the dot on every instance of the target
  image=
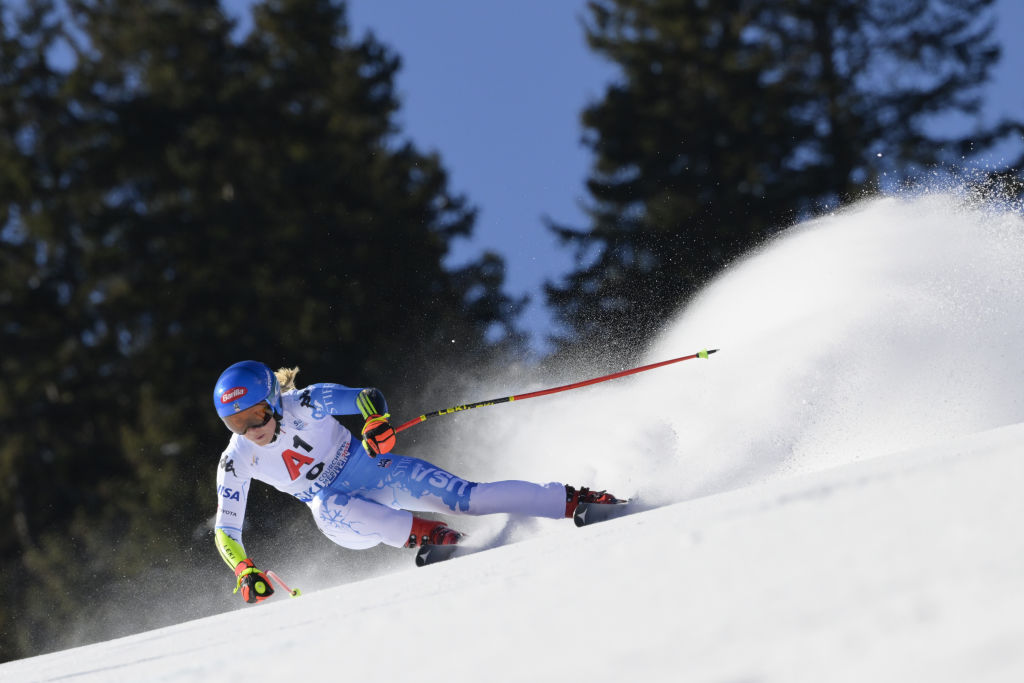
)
(497, 89)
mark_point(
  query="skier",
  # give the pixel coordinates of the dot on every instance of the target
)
(287, 438)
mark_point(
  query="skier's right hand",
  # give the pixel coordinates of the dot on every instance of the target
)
(254, 583)
(378, 435)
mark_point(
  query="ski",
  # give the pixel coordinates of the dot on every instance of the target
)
(430, 554)
(586, 513)
(591, 513)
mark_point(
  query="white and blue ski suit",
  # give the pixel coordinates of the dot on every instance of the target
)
(357, 501)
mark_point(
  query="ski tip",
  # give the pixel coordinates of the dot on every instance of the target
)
(429, 554)
(588, 513)
(706, 352)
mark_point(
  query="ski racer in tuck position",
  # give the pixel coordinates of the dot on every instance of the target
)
(287, 437)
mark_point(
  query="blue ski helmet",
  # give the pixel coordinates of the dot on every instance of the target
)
(245, 384)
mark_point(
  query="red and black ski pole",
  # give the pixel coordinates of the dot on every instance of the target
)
(555, 390)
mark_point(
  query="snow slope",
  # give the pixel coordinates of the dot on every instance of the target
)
(835, 496)
(900, 568)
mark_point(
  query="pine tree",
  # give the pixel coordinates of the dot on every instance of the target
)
(732, 119)
(175, 201)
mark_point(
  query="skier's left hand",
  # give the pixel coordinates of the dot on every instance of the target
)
(378, 435)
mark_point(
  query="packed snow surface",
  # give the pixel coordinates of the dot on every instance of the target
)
(834, 496)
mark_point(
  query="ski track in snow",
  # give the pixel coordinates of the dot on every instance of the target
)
(835, 494)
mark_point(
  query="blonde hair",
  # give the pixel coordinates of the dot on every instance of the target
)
(286, 377)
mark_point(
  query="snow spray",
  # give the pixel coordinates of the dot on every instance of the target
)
(894, 323)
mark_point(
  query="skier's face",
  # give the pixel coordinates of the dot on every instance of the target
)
(256, 423)
(263, 434)
(250, 418)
